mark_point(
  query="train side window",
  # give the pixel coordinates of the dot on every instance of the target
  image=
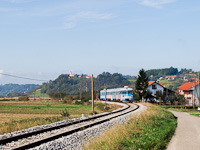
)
(123, 92)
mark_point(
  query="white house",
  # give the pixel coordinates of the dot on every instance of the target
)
(155, 86)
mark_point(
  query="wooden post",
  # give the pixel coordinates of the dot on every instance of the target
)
(92, 93)
(194, 96)
(198, 89)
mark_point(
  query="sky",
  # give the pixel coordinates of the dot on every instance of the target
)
(42, 39)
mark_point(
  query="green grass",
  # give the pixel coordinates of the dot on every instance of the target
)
(190, 111)
(198, 115)
(153, 129)
(132, 80)
(38, 94)
(42, 108)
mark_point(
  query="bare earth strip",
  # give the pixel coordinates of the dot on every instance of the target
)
(187, 135)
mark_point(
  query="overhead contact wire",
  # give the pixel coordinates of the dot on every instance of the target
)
(21, 77)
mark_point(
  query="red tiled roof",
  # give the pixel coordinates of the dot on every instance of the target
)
(151, 82)
(187, 86)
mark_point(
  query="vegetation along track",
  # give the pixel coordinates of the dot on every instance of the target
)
(35, 138)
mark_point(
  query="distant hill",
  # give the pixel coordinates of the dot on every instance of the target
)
(16, 88)
(72, 85)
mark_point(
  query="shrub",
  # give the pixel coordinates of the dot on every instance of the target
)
(67, 101)
(85, 100)
(65, 113)
(23, 98)
(77, 102)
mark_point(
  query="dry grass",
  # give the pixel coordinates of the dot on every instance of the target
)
(14, 125)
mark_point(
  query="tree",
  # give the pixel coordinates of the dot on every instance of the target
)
(142, 84)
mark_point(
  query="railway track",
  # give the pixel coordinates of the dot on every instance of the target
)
(36, 138)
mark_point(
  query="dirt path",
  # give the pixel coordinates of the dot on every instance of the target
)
(187, 135)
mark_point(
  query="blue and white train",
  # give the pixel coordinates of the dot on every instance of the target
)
(118, 94)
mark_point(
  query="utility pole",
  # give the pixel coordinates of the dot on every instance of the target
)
(198, 89)
(194, 96)
(81, 90)
(92, 94)
(166, 94)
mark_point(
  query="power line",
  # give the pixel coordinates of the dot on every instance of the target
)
(21, 77)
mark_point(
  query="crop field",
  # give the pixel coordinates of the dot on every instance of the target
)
(16, 115)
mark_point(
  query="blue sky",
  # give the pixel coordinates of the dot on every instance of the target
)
(44, 38)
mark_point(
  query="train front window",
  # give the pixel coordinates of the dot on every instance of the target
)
(130, 92)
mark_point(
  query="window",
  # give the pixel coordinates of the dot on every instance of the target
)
(130, 92)
(154, 86)
(123, 92)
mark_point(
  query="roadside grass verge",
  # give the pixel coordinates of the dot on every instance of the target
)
(152, 129)
(197, 115)
(193, 112)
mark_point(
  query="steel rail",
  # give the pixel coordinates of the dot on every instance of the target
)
(48, 139)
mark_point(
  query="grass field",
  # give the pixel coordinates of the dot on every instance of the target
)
(38, 94)
(153, 129)
(16, 115)
(132, 80)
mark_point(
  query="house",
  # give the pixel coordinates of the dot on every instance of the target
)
(170, 77)
(185, 78)
(71, 74)
(187, 89)
(155, 86)
(87, 77)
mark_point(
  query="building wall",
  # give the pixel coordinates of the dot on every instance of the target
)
(158, 88)
(196, 95)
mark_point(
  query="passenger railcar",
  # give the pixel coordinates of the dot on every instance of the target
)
(118, 94)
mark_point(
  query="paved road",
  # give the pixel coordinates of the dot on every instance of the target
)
(187, 135)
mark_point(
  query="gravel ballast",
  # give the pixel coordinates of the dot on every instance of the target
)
(75, 141)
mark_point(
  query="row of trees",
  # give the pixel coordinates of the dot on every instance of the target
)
(167, 71)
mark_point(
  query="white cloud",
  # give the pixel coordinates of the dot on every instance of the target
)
(156, 3)
(69, 25)
(73, 20)
(1, 71)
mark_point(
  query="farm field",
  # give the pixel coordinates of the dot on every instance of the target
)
(16, 115)
(173, 83)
